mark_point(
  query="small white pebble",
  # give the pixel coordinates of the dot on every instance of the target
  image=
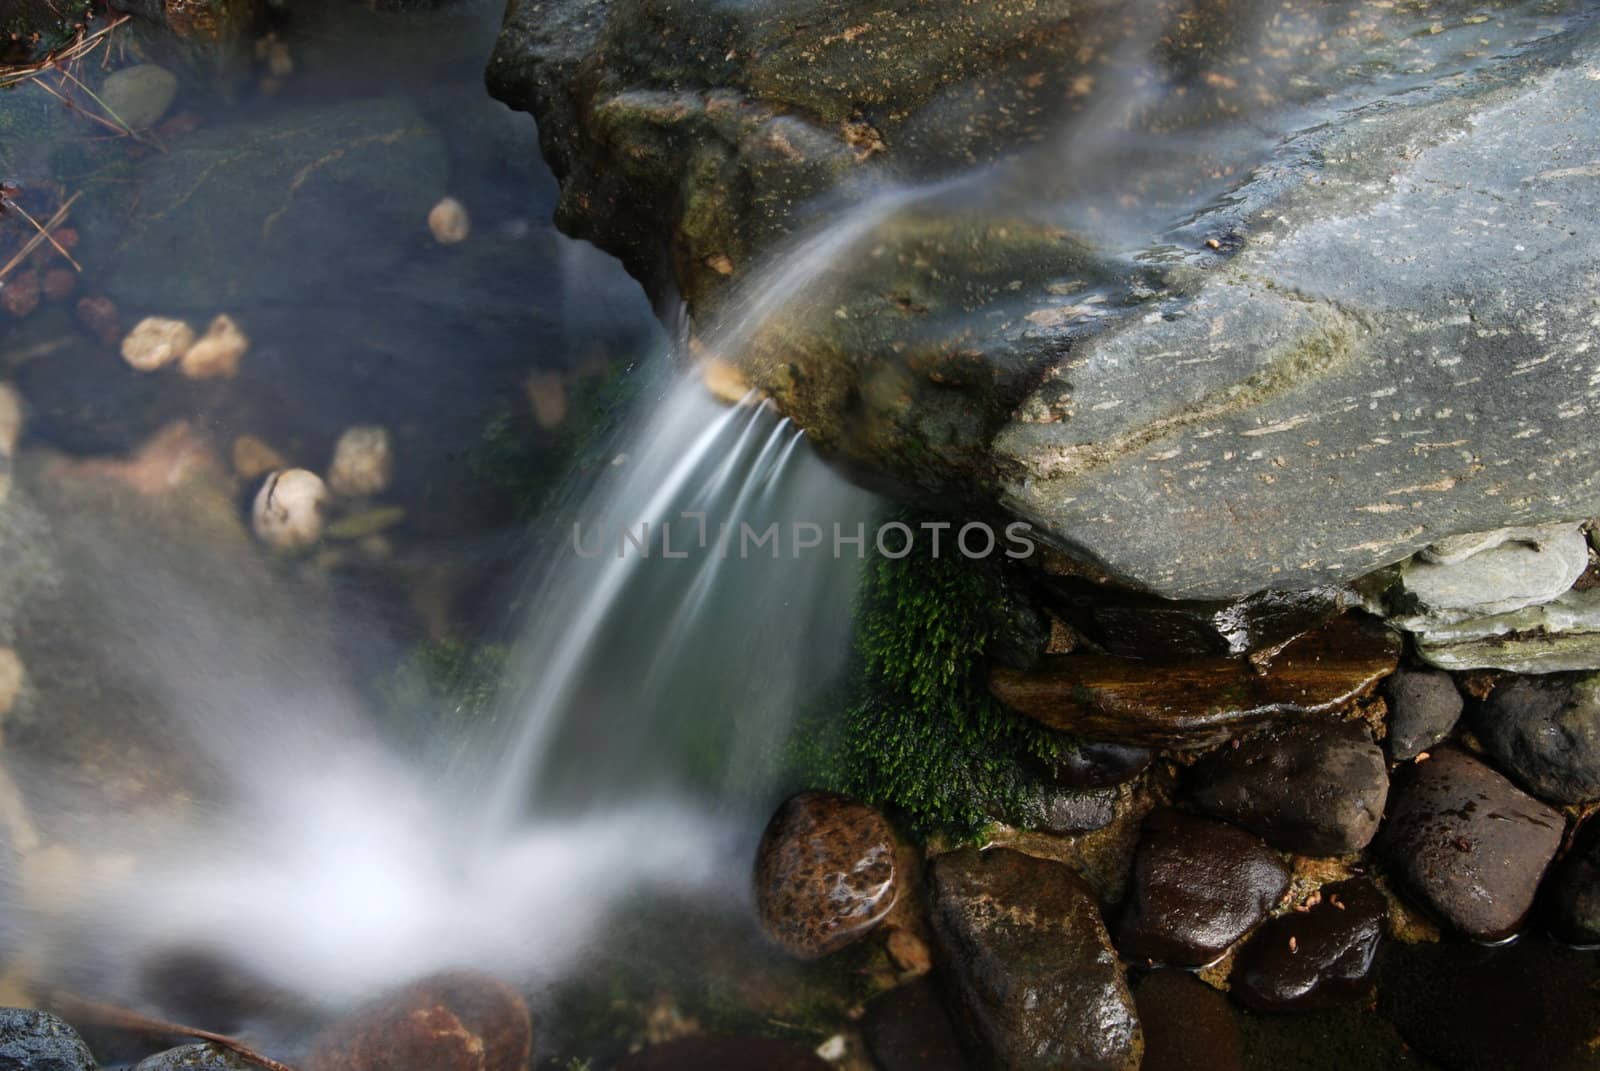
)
(449, 222)
(218, 353)
(156, 341)
(288, 509)
(362, 463)
(833, 1050)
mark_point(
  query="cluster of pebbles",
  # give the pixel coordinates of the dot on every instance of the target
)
(1277, 837)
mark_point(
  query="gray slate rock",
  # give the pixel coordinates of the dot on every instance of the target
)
(1558, 637)
(1198, 886)
(1034, 974)
(1470, 844)
(1315, 787)
(1546, 733)
(38, 1041)
(1423, 709)
(205, 1056)
(1534, 568)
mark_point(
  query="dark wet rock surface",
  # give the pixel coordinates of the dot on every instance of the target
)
(1468, 843)
(1197, 702)
(1316, 958)
(1546, 733)
(907, 1029)
(1198, 886)
(1100, 765)
(1134, 625)
(724, 1054)
(1424, 706)
(1030, 965)
(1188, 1026)
(1574, 889)
(1527, 1006)
(825, 873)
(38, 1041)
(202, 1057)
(1316, 788)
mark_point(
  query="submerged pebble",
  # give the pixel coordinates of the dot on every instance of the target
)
(19, 295)
(547, 394)
(155, 342)
(218, 352)
(362, 462)
(140, 95)
(10, 419)
(825, 873)
(449, 222)
(457, 1021)
(98, 316)
(289, 509)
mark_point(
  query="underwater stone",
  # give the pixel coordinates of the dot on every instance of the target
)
(1198, 886)
(907, 1029)
(19, 295)
(456, 1021)
(140, 95)
(547, 395)
(1037, 982)
(1470, 844)
(253, 457)
(362, 462)
(10, 419)
(155, 342)
(825, 873)
(38, 1041)
(1202, 701)
(1546, 733)
(1314, 788)
(448, 222)
(288, 511)
(98, 316)
(217, 353)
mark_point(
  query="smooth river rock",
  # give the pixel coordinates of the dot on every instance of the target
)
(1545, 732)
(1424, 707)
(1314, 788)
(1468, 843)
(1198, 886)
(1317, 958)
(824, 873)
(1202, 701)
(1036, 980)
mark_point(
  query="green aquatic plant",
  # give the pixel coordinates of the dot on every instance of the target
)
(442, 686)
(921, 734)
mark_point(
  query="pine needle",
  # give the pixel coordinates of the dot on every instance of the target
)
(59, 248)
(39, 239)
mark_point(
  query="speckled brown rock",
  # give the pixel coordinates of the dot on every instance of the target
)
(1317, 958)
(1031, 968)
(1470, 844)
(1200, 701)
(458, 1021)
(1198, 886)
(825, 873)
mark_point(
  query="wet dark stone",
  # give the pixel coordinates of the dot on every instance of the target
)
(1470, 844)
(1099, 764)
(1526, 1006)
(1545, 732)
(1198, 886)
(38, 1041)
(1065, 810)
(825, 873)
(1188, 1026)
(1347, 1038)
(1199, 702)
(1316, 788)
(1318, 958)
(1031, 968)
(1424, 706)
(1574, 889)
(1131, 624)
(724, 1054)
(907, 1029)
(203, 1057)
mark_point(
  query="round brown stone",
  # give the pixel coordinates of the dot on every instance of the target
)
(457, 1021)
(825, 873)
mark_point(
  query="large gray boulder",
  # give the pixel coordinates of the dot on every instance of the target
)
(1359, 323)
